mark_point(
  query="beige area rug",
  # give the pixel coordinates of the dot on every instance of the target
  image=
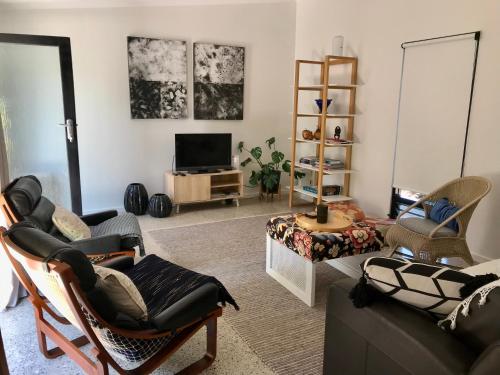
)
(286, 334)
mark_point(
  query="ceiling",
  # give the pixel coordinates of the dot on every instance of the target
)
(54, 4)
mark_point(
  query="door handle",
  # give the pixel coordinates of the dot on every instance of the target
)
(70, 129)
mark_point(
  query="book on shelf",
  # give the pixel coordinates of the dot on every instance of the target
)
(328, 163)
(328, 190)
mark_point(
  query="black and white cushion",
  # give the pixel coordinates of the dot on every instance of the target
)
(432, 288)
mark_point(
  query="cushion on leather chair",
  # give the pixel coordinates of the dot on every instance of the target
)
(24, 194)
(425, 227)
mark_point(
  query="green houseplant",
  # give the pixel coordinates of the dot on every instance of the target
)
(269, 173)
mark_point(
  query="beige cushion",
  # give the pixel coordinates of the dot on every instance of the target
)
(122, 292)
(70, 224)
(425, 227)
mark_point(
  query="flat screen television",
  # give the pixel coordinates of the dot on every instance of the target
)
(202, 152)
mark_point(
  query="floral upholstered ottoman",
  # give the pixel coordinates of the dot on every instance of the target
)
(292, 252)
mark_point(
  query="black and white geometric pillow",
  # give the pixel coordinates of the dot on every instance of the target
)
(431, 288)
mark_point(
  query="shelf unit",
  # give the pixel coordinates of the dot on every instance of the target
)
(195, 188)
(322, 123)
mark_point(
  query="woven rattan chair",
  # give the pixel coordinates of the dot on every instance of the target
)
(59, 290)
(428, 240)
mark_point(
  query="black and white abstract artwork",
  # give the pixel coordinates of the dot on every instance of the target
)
(219, 73)
(157, 78)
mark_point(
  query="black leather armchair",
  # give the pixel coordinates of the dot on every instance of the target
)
(112, 234)
(67, 279)
(393, 339)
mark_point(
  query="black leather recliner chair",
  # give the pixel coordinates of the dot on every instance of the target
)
(112, 234)
(68, 281)
(390, 338)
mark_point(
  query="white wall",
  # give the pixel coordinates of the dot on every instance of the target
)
(373, 31)
(115, 150)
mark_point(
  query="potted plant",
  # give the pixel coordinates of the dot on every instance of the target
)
(269, 173)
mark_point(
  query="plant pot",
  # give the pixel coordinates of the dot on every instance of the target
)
(135, 199)
(160, 205)
(275, 188)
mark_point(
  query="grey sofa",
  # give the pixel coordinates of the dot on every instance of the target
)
(389, 338)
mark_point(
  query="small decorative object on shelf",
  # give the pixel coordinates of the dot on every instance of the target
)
(136, 199)
(307, 135)
(317, 134)
(319, 103)
(336, 136)
(160, 205)
(338, 45)
(236, 162)
(322, 212)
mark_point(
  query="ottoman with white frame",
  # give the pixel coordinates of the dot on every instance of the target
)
(295, 269)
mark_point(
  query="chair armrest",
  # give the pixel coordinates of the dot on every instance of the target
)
(409, 208)
(119, 263)
(98, 217)
(99, 245)
(194, 306)
(488, 362)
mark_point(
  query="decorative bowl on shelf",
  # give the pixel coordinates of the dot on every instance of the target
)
(319, 103)
(307, 135)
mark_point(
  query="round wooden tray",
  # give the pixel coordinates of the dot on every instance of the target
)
(337, 222)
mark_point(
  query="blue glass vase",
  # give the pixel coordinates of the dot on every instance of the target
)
(319, 103)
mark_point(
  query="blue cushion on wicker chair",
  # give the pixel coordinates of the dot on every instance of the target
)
(442, 210)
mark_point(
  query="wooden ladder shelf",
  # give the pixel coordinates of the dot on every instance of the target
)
(323, 89)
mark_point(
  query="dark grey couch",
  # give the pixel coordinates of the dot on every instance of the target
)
(389, 338)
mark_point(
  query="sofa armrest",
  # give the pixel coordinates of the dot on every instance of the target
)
(99, 245)
(98, 217)
(488, 362)
(389, 337)
(119, 263)
(194, 306)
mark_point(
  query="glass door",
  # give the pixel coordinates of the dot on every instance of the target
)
(37, 114)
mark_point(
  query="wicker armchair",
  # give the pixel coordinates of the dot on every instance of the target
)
(61, 286)
(428, 240)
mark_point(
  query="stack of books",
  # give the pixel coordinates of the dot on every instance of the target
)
(328, 164)
(328, 190)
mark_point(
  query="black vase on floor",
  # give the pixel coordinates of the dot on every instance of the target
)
(160, 205)
(136, 199)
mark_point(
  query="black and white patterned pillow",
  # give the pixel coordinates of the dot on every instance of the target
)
(435, 289)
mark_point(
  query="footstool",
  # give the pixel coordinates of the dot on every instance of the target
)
(293, 252)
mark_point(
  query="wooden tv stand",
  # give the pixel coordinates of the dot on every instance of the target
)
(204, 187)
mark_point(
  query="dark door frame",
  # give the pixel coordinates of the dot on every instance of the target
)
(68, 93)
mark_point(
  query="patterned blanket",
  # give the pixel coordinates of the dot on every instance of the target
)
(318, 246)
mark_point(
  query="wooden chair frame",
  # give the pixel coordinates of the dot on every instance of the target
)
(12, 218)
(76, 300)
